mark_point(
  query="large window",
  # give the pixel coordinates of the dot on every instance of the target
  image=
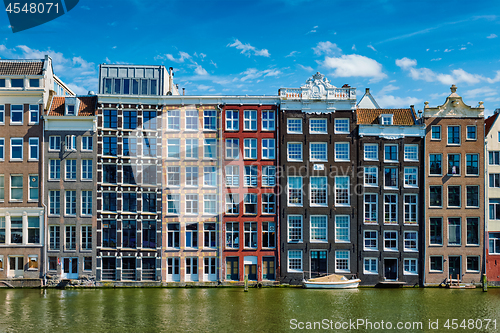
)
(33, 149)
(294, 261)
(494, 209)
(16, 149)
(268, 149)
(129, 202)
(472, 231)
(54, 237)
(268, 120)
(250, 204)
(318, 191)
(33, 188)
(192, 120)
(268, 235)
(173, 235)
(342, 261)
(232, 204)
(173, 120)
(410, 267)
(33, 230)
(472, 164)
(371, 151)
(129, 119)
(149, 147)
(494, 180)
(16, 188)
(471, 132)
(70, 170)
(209, 120)
(411, 177)
(149, 202)
(390, 208)
(294, 191)
(232, 175)
(250, 148)
(472, 192)
(209, 235)
(232, 235)
(341, 151)
(210, 204)
(370, 207)
(371, 176)
(436, 132)
(149, 120)
(342, 191)
(54, 169)
(129, 146)
(453, 135)
(232, 148)
(410, 241)
(390, 240)
(391, 153)
(191, 148)
(494, 238)
(191, 204)
(109, 173)
(411, 153)
(391, 177)
(192, 235)
(109, 201)
(54, 202)
(109, 233)
(436, 263)
(210, 148)
(250, 176)
(86, 234)
(370, 266)
(318, 126)
(294, 151)
(232, 120)
(268, 203)
(54, 143)
(454, 231)
(294, 228)
(454, 196)
(250, 120)
(410, 208)
(436, 196)
(173, 176)
(34, 114)
(110, 119)
(209, 176)
(370, 240)
(250, 234)
(342, 226)
(319, 228)
(129, 234)
(173, 148)
(436, 231)
(318, 151)
(70, 243)
(86, 169)
(86, 203)
(268, 176)
(436, 164)
(494, 157)
(294, 126)
(173, 204)
(109, 146)
(16, 114)
(191, 176)
(341, 125)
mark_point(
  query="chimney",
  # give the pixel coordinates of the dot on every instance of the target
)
(171, 79)
(367, 90)
(183, 91)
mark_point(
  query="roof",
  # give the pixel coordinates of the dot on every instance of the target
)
(367, 101)
(488, 123)
(371, 116)
(87, 106)
(13, 67)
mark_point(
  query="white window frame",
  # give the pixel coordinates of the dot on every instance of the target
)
(173, 120)
(459, 195)
(70, 203)
(301, 198)
(250, 175)
(54, 164)
(295, 219)
(340, 156)
(209, 176)
(409, 154)
(405, 240)
(232, 148)
(339, 123)
(232, 204)
(2, 149)
(12, 146)
(268, 120)
(250, 117)
(318, 185)
(295, 255)
(366, 153)
(370, 262)
(268, 178)
(211, 115)
(340, 221)
(193, 172)
(87, 169)
(373, 208)
(393, 208)
(191, 148)
(338, 189)
(268, 149)
(410, 207)
(318, 229)
(409, 174)
(192, 204)
(232, 176)
(440, 133)
(430, 265)
(30, 199)
(87, 143)
(397, 153)
(322, 150)
(210, 154)
(34, 110)
(54, 202)
(467, 133)
(171, 144)
(372, 172)
(338, 258)
(70, 143)
(189, 121)
(230, 119)
(294, 144)
(322, 123)
(2, 114)
(370, 239)
(22, 114)
(386, 119)
(86, 203)
(459, 135)
(250, 149)
(291, 123)
(209, 204)
(412, 262)
(390, 249)
(11, 188)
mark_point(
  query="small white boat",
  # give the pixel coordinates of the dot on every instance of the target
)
(332, 281)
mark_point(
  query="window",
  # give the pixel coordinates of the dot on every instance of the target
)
(370, 176)
(87, 143)
(32, 262)
(294, 152)
(371, 208)
(86, 202)
(109, 202)
(129, 146)
(268, 203)
(473, 264)
(34, 83)
(390, 240)
(472, 164)
(130, 120)
(295, 191)
(411, 153)
(33, 149)
(410, 241)
(250, 176)
(16, 149)
(173, 235)
(294, 228)
(391, 153)
(149, 120)
(192, 235)
(16, 229)
(494, 157)
(209, 235)
(210, 148)
(472, 192)
(192, 148)
(410, 267)
(210, 204)
(54, 202)
(33, 188)
(70, 243)
(410, 209)
(71, 202)
(318, 191)
(436, 231)
(110, 119)
(411, 176)
(471, 133)
(494, 247)
(318, 151)
(173, 204)
(268, 175)
(341, 151)
(70, 173)
(129, 234)
(250, 120)
(232, 148)
(454, 196)
(109, 145)
(173, 176)
(33, 114)
(453, 135)
(319, 230)
(173, 148)
(109, 173)
(173, 120)
(436, 263)
(17, 83)
(268, 149)
(268, 235)
(54, 239)
(435, 132)
(149, 202)
(232, 175)
(2, 114)
(494, 209)
(192, 120)
(129, 202)
(149, 234)
(342, 234)
(209, 120)
(268, 120)
(87, 263)
(33, 230)
(2, 149)
(494, 180)
(472, 231)
(232, 204)
(318, 126)
(386, 119)
(454, 231)
(109, 233)
(342, 261)
(250, 233)
(250, 204)
(16, 188)
(232, 120)
(250, 148)
(294, 261)
(342, 191)
(2, 188)
(232, 235)
(191, 176)
(16, 114)
(370, 266)
(192, 204)
(390, 208)
(391, 177)
(341, 126)
(149, 147)
(294, 126)
(52, 263)
(436, 196)
(371, 151)
(370, 240)
(436, 164)
(86, 169)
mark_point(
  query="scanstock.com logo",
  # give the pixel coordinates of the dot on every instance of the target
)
(26, 14)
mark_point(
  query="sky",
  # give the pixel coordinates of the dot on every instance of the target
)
(406, 52)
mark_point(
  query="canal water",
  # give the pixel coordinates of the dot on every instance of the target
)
(258, 310)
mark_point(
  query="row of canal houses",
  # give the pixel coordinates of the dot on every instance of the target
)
(141, 185)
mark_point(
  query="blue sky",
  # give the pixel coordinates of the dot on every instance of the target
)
(407, 52)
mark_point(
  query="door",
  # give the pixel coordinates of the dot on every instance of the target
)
(251, 271)
(173, 270)
(318, 263)
(391, 269)
(70, 268)
(16, 266)
(191, 269)
(232, 269)
(210, 269)
(455, 267)
(268, 271)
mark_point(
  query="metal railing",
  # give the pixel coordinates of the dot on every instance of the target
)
(109, 274)
(149, 275)
(128, 274)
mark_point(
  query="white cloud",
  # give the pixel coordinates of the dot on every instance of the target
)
(355, 65)
(371, 47)
(203, 87)
(213, 63)
(388, 89)
(292, 54)
(406, 63)
(481, 92)
(463, 48)
(436, 59)
(326, 48)
(448, 50)
(458, 76)
(387, 101)
(254, 73)
(306, 68)
(183, 56)
(353, 47)
(495, 79)
(200, 70)
(492, 36)
(248, 49)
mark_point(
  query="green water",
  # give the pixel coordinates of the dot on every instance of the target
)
(233, 310)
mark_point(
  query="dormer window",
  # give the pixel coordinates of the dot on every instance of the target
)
(72, 105)
(17, 83)
(71, 110)
(34, 83)
(386, 119)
